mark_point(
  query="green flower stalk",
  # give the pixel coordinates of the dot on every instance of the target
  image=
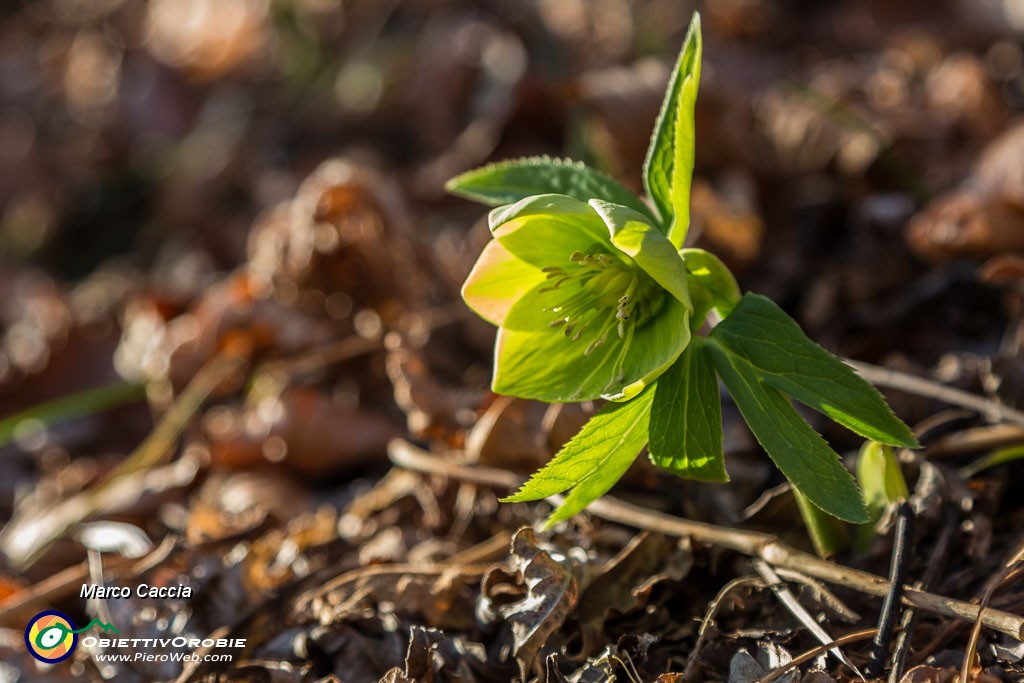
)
(591, 301)
(595, 296)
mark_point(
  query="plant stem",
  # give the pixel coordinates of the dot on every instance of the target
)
(828, 534)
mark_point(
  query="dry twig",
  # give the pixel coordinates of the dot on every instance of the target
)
(994, 411)
(754, 544)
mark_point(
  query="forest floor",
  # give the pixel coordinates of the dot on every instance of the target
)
(237, 359)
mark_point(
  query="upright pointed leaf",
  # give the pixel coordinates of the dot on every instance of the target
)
(507, 182)
(668, 168)
(594, 459)
(686, 418)
(802, 455)
(761, 333)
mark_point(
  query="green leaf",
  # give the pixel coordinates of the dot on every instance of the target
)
(802, 455)
(686, 418)
(634, 236)
(760, 333)
(509, 181)
(668, 168)
(594, 459)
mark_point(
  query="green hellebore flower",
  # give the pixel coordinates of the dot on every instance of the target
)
(590, 299)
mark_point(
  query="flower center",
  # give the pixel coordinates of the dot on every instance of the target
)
(604, 294)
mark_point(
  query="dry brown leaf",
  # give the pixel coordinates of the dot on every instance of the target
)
(301, 431)
(552, 592)
(983, 216)
(625, 583)
(207, 39)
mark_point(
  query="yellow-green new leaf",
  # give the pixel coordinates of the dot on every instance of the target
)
(881, 480)
(594, 459)
(668, 168)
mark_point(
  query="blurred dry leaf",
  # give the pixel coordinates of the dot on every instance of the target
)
(302, 430)
(522, 435)
(347, 235)
(728, 221)
(431, 407)
(207, 39)
(233, 504)
(984, 215)
(281, 556)
(961, 90)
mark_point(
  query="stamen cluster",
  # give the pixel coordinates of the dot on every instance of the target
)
(608, 294)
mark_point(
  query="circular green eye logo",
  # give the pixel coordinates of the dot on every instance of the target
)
(50, 637)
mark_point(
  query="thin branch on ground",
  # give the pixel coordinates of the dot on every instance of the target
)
(993, 410)
(971, 655)
(692, 662)
(936, 562)
(791, 603)
(854, 637)
(903, 536)
(754, 544)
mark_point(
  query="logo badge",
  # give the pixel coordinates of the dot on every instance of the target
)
(50, 637)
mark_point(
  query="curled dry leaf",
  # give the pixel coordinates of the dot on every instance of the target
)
(420, 662)
(552, 591)
(933, 674)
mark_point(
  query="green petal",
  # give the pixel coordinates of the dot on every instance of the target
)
(634, 236)
(548, 366)
(497, 281)
(544, 230)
